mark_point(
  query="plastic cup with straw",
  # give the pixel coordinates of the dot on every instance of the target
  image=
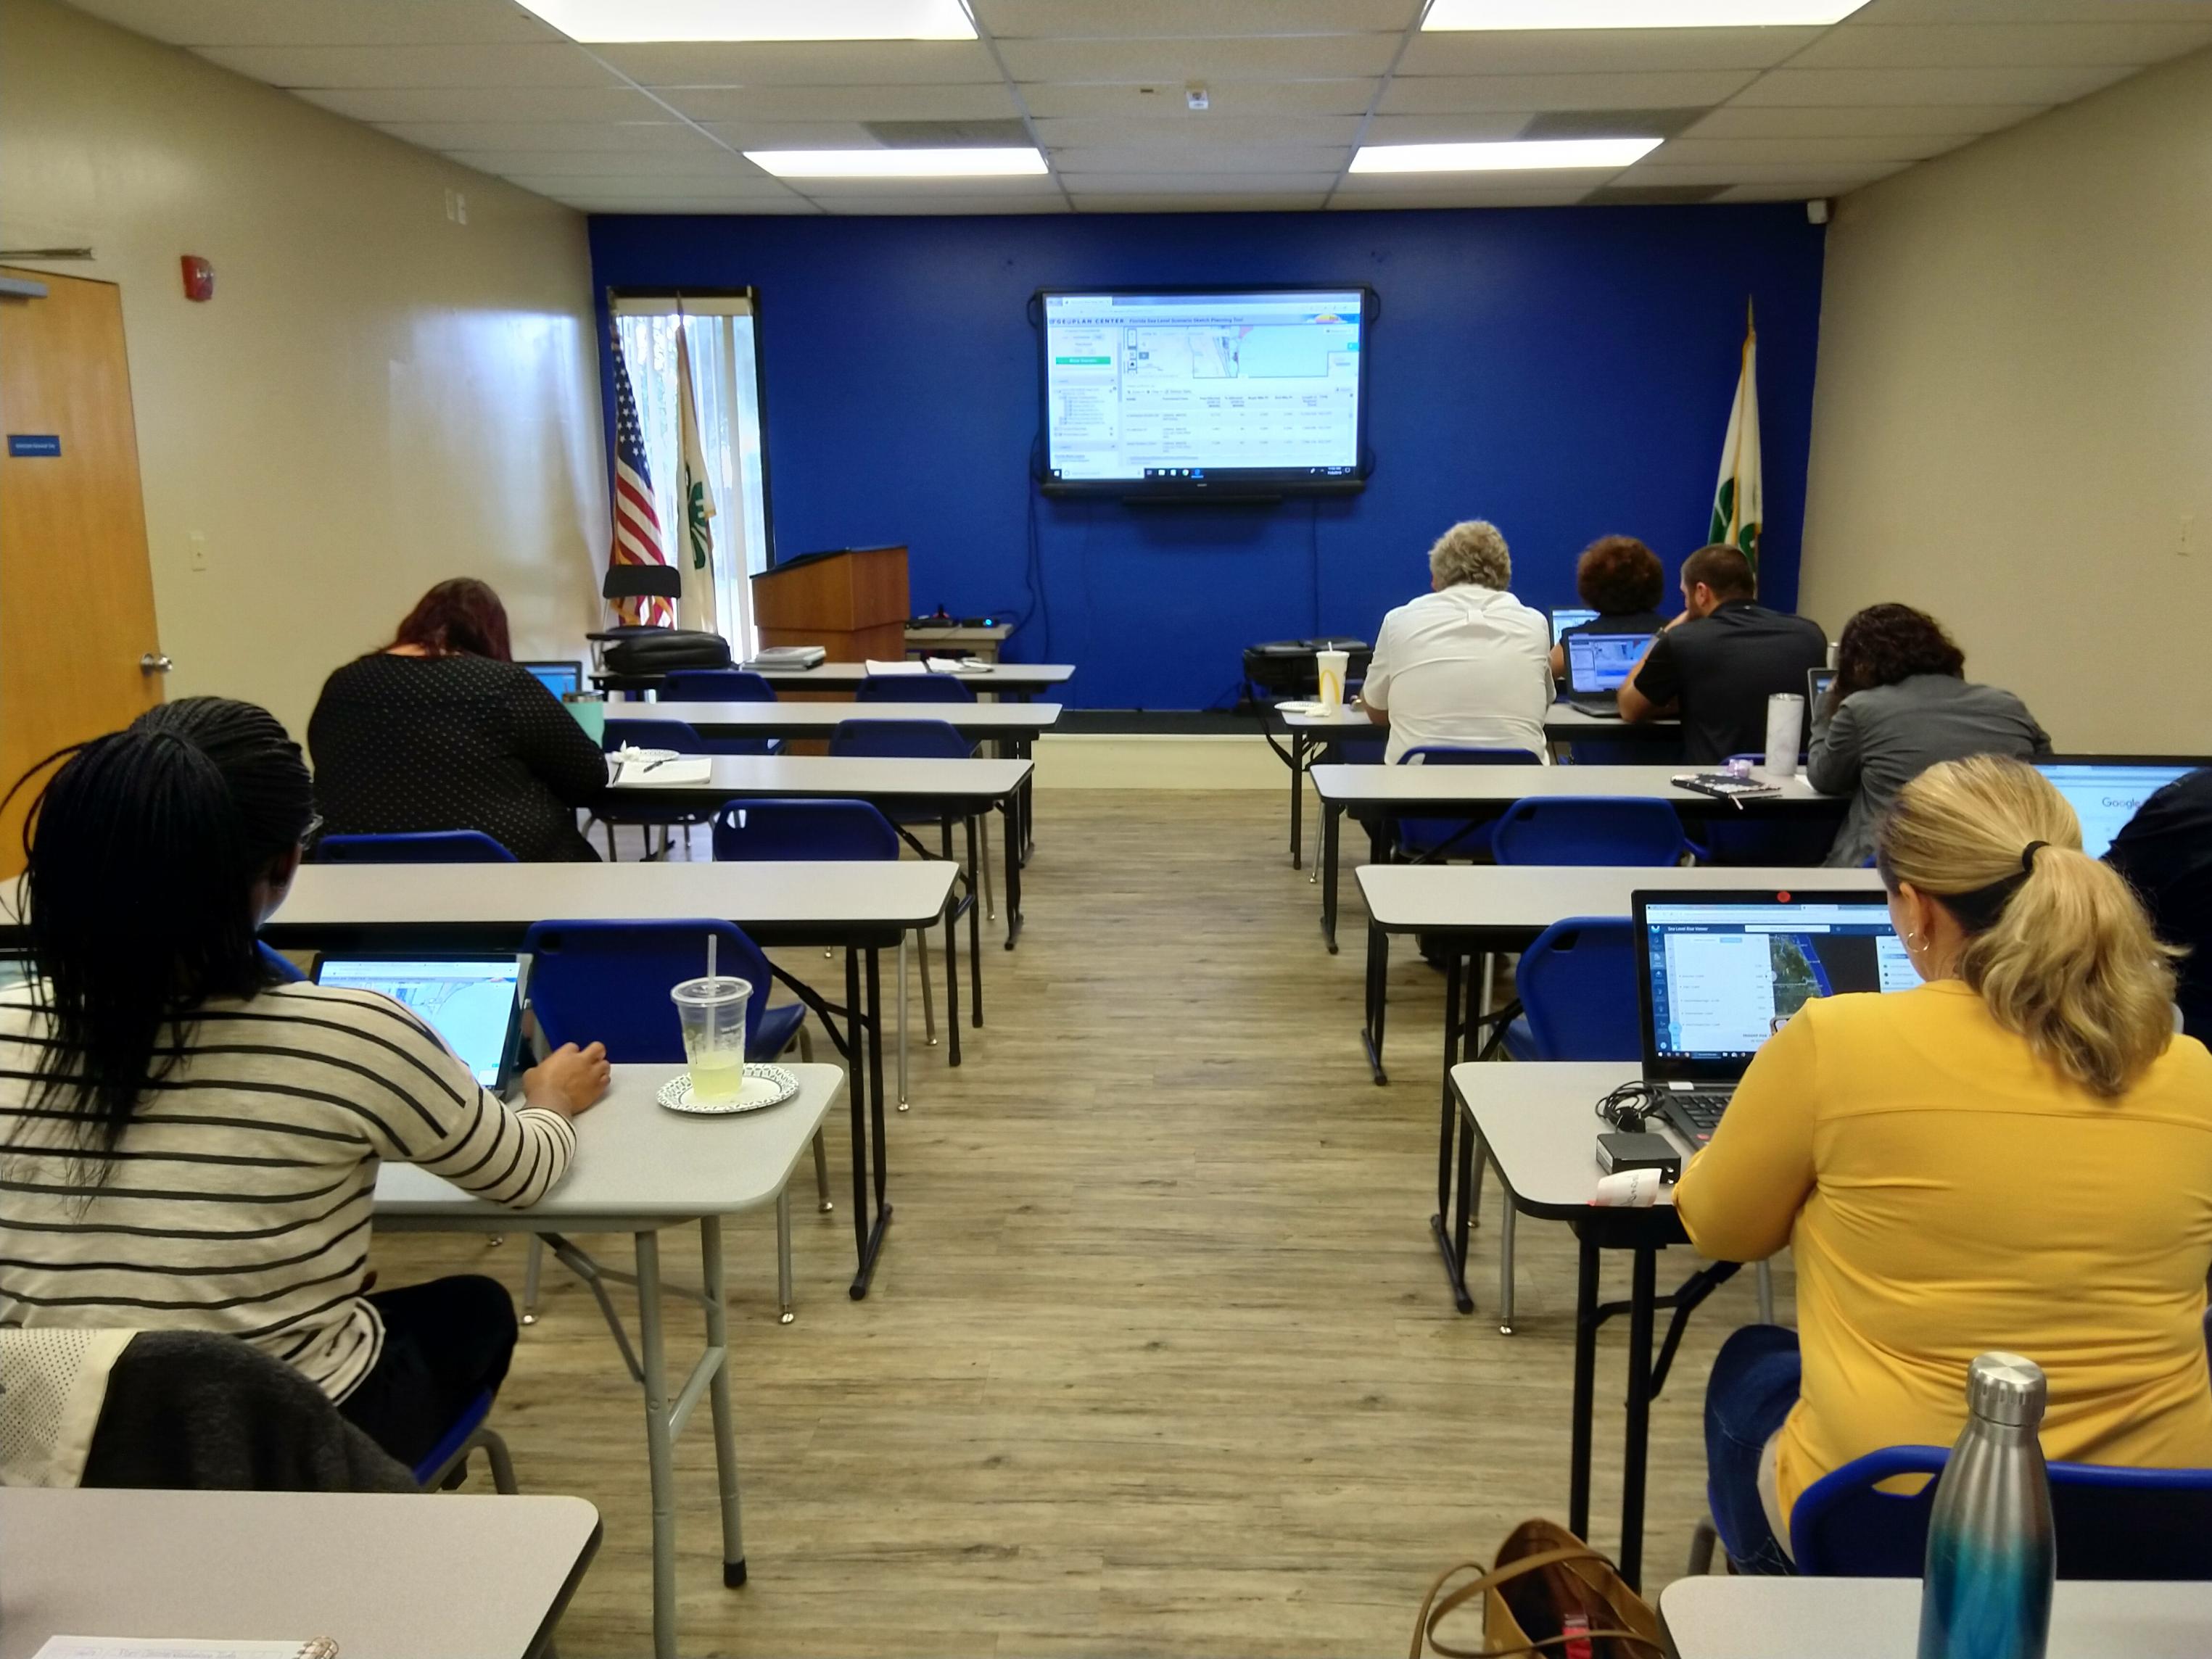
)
(713, 1013)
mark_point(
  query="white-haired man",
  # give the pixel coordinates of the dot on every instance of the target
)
(1467, 665)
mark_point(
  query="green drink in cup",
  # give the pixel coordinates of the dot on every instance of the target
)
(713, 1013)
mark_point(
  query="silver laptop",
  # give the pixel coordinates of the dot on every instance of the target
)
(472, 1001)
(1566, 617)
(1598, 666)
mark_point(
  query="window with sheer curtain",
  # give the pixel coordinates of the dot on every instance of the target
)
(719, 333)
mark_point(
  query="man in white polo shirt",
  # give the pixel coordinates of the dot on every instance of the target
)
(1468, 665)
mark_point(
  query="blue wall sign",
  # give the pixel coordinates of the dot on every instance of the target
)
(25, 444)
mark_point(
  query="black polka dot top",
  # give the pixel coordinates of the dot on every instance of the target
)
(403, 744)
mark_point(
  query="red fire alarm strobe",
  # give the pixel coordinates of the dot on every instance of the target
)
(199, 278)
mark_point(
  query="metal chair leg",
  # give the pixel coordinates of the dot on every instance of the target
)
(902, 1023)
(534, 1268)
(928, 996)
(502, 1464)
(783, 1248)
(1701, 1547)
(822, 1176)
(990, 900)
(1765, 1292)
(1505, 1272)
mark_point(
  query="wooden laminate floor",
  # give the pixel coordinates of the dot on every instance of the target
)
(1160, 1359)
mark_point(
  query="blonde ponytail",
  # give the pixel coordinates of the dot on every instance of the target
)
(2058, 946)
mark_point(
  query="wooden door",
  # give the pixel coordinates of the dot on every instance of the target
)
(79, 652)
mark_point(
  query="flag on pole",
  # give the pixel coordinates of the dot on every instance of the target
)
(637, 524)
(695, 500)
(1737, 504)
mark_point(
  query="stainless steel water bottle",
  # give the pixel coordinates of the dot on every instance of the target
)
(1992, 1554)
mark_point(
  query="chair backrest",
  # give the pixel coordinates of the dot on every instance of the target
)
(2111, 1522)
(771, 828)
(900, 740)
(716, 685)
(1588, 829)
(1424, 836)
(424, 846)
(608, 981)
(278, 964)
(1577, 985)
(1445, 754)
(652, 734)
(913, 688)
(638, 581)
(1358, 748)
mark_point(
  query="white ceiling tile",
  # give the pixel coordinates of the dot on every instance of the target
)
(1595, 51)
(1267, 58)
(1064, 19)
(1210, 158)
(1443, 94)
(1805, 152)
(1810, 88)
(734, 187)
(322, 22)
(794, 134)
(1469, 126)
(1832, 179)
(904, 206)
(1009, 189)
(594, 203)
(523, 65)
(1947, 45)
(1130, 100)
(984, 101)
(1240, 202)
(708, 162)
(803, 63)
(1741, 121)
(2033, 11)
(1573, 183)
(1082, 185)
(439, 104)
(522, 137)
(1205, 131)
(1360, 195)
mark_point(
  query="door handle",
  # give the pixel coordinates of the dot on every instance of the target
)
(155, 663)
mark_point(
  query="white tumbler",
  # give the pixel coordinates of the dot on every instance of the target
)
(1333, 666)
(1785, 727)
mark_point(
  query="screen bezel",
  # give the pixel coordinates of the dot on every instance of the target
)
(510, 1044)
(1242, 483)
(1684, 1068)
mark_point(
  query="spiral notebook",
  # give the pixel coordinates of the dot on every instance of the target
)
(158, 1647)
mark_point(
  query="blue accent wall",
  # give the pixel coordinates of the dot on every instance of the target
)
(1565, 373)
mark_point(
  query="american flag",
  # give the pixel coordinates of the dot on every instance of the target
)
(637, 526)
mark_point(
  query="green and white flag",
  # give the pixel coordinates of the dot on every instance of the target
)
(694, 501)
(1737, 506)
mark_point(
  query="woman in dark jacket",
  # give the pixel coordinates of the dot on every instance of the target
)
(440, 730)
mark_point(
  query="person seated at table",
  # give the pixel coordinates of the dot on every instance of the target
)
(1623, 582)
(2165, 854)
(1467, 665)
(1720, 660)
(189, 1144)
(2014, 1154)
(1901, 702)
(441, 730)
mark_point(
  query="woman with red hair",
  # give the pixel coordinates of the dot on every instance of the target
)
(440, 730)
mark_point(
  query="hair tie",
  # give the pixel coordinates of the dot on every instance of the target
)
(2028, 856)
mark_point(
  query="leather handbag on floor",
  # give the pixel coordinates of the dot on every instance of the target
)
(1547, 1594)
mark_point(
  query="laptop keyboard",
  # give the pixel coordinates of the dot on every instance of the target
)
(1696, 1115)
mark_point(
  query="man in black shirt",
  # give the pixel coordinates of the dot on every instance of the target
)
(2165, 854)
(1720, 659)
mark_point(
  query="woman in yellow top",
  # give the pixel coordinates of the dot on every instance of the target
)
(2016, 1154)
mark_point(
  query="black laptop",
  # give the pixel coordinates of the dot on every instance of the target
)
(1598, 666)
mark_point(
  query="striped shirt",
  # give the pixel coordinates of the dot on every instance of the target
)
(240, 1195)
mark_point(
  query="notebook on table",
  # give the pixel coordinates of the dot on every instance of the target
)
(1720, 972)
(1598, 666)
(2106, 791)
(473, 1002)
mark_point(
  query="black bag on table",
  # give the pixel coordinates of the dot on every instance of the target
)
(664, 650)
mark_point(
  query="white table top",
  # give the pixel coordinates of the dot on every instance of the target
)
(1530, 897)
(1725, 1618)
(899, 893)
(999, 676)
(1540, 1123)
(637, 1163)
(1561, 720)
(982, 720)
(376, 1571)
(981, 781)
(1385, 786)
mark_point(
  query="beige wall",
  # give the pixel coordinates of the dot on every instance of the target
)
(375, 398)
(2013, 415)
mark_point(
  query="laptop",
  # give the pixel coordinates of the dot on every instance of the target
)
(2106, 791)
(1598, 666)
(560, 678)
(1563, 618)
(1722, 971)
(1817, 681)
(472, 1001)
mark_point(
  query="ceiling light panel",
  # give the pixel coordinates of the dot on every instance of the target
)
(1636, 14)
(755, 20)
(965, 163)
(1525, 155)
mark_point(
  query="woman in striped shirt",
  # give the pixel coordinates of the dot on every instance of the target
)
(186, 1143)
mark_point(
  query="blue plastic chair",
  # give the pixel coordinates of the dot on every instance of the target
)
(279, 966)
(446, 1463)
(772, 829)
(2112, 1522)
(913, 688)
(1610, 830)
(415, 847)
(1738, 839)
(1577, 986)
(716, 685)
(681, 737)
(1437, 837)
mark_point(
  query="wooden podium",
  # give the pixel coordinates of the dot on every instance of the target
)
(850, 601)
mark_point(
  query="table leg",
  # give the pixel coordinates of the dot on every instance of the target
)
(1586, 1324)
(718, 1392)
(660, 1451)
(856, 1095)
(1298, 797)
(1449, 1133)
(952, 967)
(1013, 900)
(872, 1236)
(1378, 983)
(1331, 817)
(1642, 1298)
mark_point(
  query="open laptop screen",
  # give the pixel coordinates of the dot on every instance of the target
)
(2106, 794)
(470, 1001)
(1565, 617)
(1723, 972)
(1601, 662)
(560, 678)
